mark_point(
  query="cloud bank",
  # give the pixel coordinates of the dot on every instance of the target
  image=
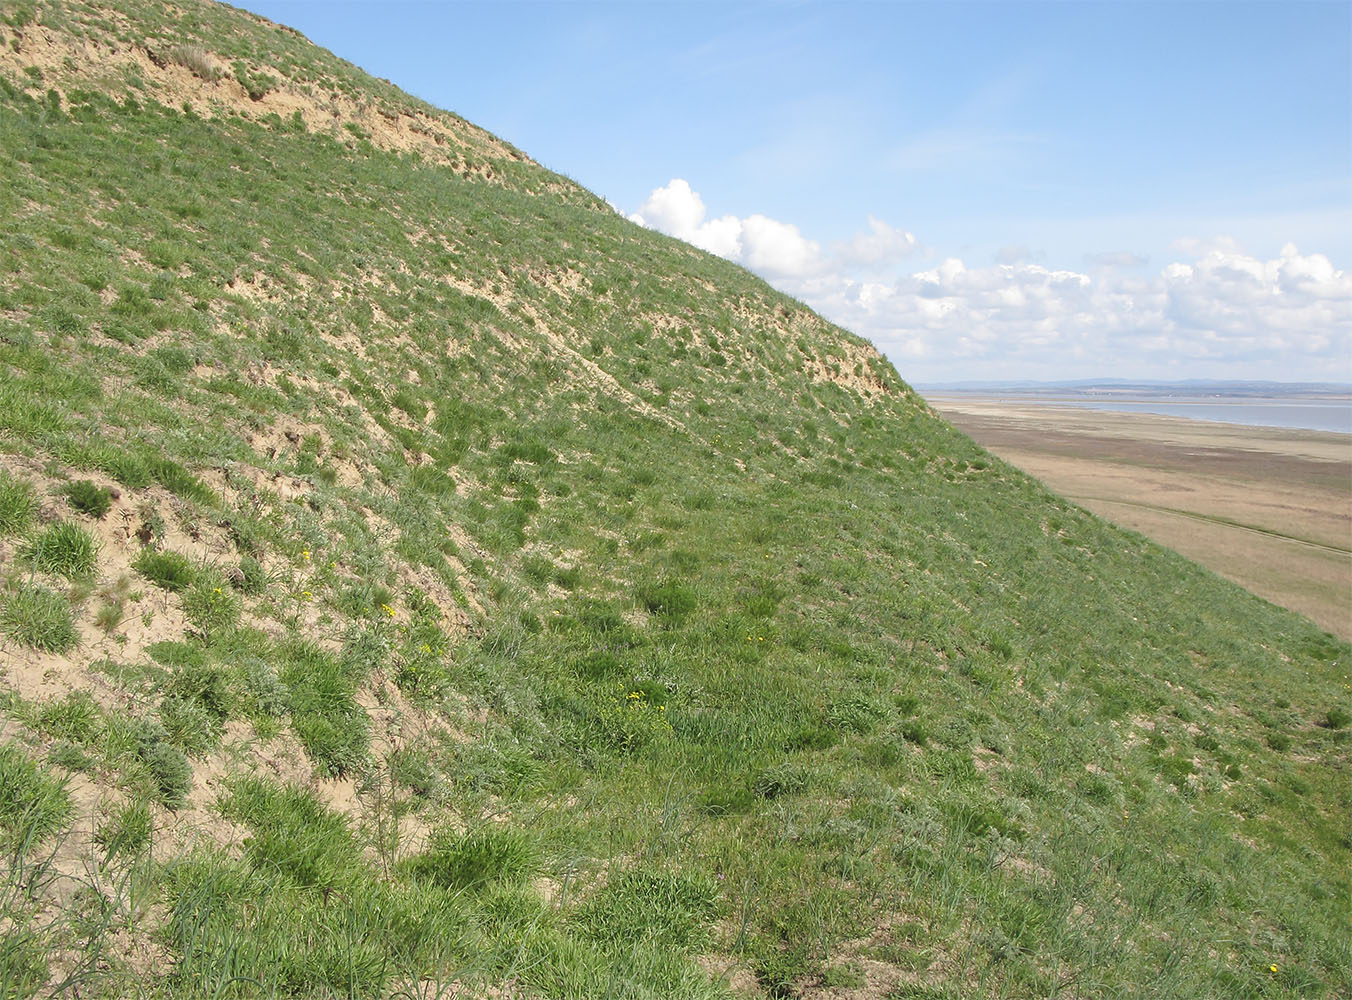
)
(1214, 311)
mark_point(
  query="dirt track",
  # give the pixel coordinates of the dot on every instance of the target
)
(1268, 508)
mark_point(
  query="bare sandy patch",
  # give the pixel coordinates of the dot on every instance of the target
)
(1269, 508)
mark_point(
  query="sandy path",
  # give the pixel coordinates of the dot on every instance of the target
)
(1268, 508)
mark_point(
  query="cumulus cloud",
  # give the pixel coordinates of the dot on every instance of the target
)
(770, 247)
(1224, 308)
(1213, 310)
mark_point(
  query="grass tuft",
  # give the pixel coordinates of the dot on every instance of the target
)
(33, 804)
(64, 549)
(171, 571)
(18, 505)
(39, 618)
(89, 498)
(490, 855)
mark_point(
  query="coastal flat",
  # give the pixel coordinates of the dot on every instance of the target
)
(1269, 508)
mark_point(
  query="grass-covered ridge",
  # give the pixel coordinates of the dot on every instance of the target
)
(417, 580)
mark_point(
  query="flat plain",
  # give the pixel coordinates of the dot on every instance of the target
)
(1269, 508)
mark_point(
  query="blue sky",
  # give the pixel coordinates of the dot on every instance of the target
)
(1030, 190)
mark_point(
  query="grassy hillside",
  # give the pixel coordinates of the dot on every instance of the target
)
(416, 580)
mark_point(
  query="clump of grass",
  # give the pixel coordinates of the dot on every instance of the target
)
(167, 766)
(37, 617)
(127, 832)
(654, 909)
(1336, 718)
(667, 598)
(330, 724)
(18, 505)
(33, 803)
(250, 577)
(256, 85)
(190, 727)
(171, 571)
(780, 780)
(75, 718)
(196, 60)
(490, 855)
(88, 498)
(64, 549)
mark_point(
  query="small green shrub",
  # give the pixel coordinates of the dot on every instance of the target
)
(266, 694)
(64, 549)
(211, 610)
(256, 85)
(167, 766)
(89, 498)
(37, 617)
(18, 505)
(172, 571)
(190, 727)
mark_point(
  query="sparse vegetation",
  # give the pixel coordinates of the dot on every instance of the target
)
(535, 604)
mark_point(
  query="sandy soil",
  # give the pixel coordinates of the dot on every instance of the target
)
(1268, 508)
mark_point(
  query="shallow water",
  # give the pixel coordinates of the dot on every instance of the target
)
(1305, 414)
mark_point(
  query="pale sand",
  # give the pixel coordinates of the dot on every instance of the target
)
(1269, 508)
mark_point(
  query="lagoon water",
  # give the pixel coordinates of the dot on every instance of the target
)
(1305, 414)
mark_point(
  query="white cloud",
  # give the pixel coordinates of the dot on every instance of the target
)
(767, 246)
(778, 249)
(881, 247)
(1215, 310)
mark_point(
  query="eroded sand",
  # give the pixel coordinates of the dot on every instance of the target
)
(1269, 508)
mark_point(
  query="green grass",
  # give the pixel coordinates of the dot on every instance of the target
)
(682, 649)
(64, 549)
(34, 804)
(39, 618)
(171, 571)
(88, 498)
(485, 857)
(18, 505)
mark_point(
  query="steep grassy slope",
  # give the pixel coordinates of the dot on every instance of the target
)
(419, 581)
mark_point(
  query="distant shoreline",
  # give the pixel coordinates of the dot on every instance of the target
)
(1314, 412)
(1270, 508)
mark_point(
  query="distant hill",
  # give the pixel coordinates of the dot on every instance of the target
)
(418, 581)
